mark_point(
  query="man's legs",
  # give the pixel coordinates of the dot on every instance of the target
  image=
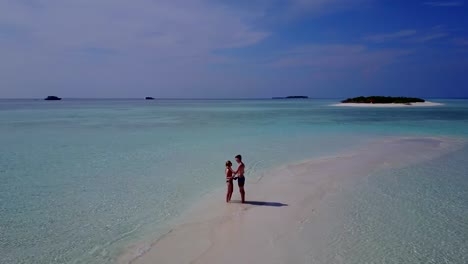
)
(242, 192)
(241, 182)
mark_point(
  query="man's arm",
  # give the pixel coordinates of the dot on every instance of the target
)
(235, 173)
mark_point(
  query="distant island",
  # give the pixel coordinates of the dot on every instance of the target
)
(292, 97)
(149, 98)
(52, 98)
(382, 100)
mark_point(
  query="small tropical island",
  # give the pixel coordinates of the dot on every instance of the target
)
(52, 98)
(292, 97)
(383, 100)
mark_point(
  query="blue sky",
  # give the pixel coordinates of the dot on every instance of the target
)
(233, 49)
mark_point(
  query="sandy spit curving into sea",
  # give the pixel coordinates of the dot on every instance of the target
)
(285, 219)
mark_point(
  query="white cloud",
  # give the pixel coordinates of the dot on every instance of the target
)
(444, 3)
(340, 58)
(430, 37)
(300, 7)
(100, 45)
(391, 36)
(159, 26)
(412, 36)
(461, 41)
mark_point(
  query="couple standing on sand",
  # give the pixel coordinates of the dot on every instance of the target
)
(231, 176)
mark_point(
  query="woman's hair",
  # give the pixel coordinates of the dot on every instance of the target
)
(228, 163)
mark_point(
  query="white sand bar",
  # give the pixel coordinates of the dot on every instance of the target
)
(425, 104)
(285, 219)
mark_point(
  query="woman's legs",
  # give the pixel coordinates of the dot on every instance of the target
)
(230, 189)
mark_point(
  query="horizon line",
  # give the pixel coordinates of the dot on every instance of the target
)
(198, 98)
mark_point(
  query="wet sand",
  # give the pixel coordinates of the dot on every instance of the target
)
(284, 220)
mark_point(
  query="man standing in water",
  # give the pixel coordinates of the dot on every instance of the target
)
(240, 177)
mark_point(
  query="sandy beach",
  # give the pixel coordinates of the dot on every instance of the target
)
(425, 104)
(285, 219)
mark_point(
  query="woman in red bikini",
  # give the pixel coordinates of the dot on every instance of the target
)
(229, 179)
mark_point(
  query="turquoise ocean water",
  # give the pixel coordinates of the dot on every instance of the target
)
(82, 179)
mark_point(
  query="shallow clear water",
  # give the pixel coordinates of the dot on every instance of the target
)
(81, 179)
(416, 214)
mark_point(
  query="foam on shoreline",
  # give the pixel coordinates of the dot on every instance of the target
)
(280, 208)
(425, 104)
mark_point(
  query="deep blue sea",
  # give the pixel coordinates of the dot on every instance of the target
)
(82, 179)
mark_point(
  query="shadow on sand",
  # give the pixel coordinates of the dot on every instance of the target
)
(259, 203)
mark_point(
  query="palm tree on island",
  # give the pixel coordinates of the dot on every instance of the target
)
(52, 98)
(383, 100)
